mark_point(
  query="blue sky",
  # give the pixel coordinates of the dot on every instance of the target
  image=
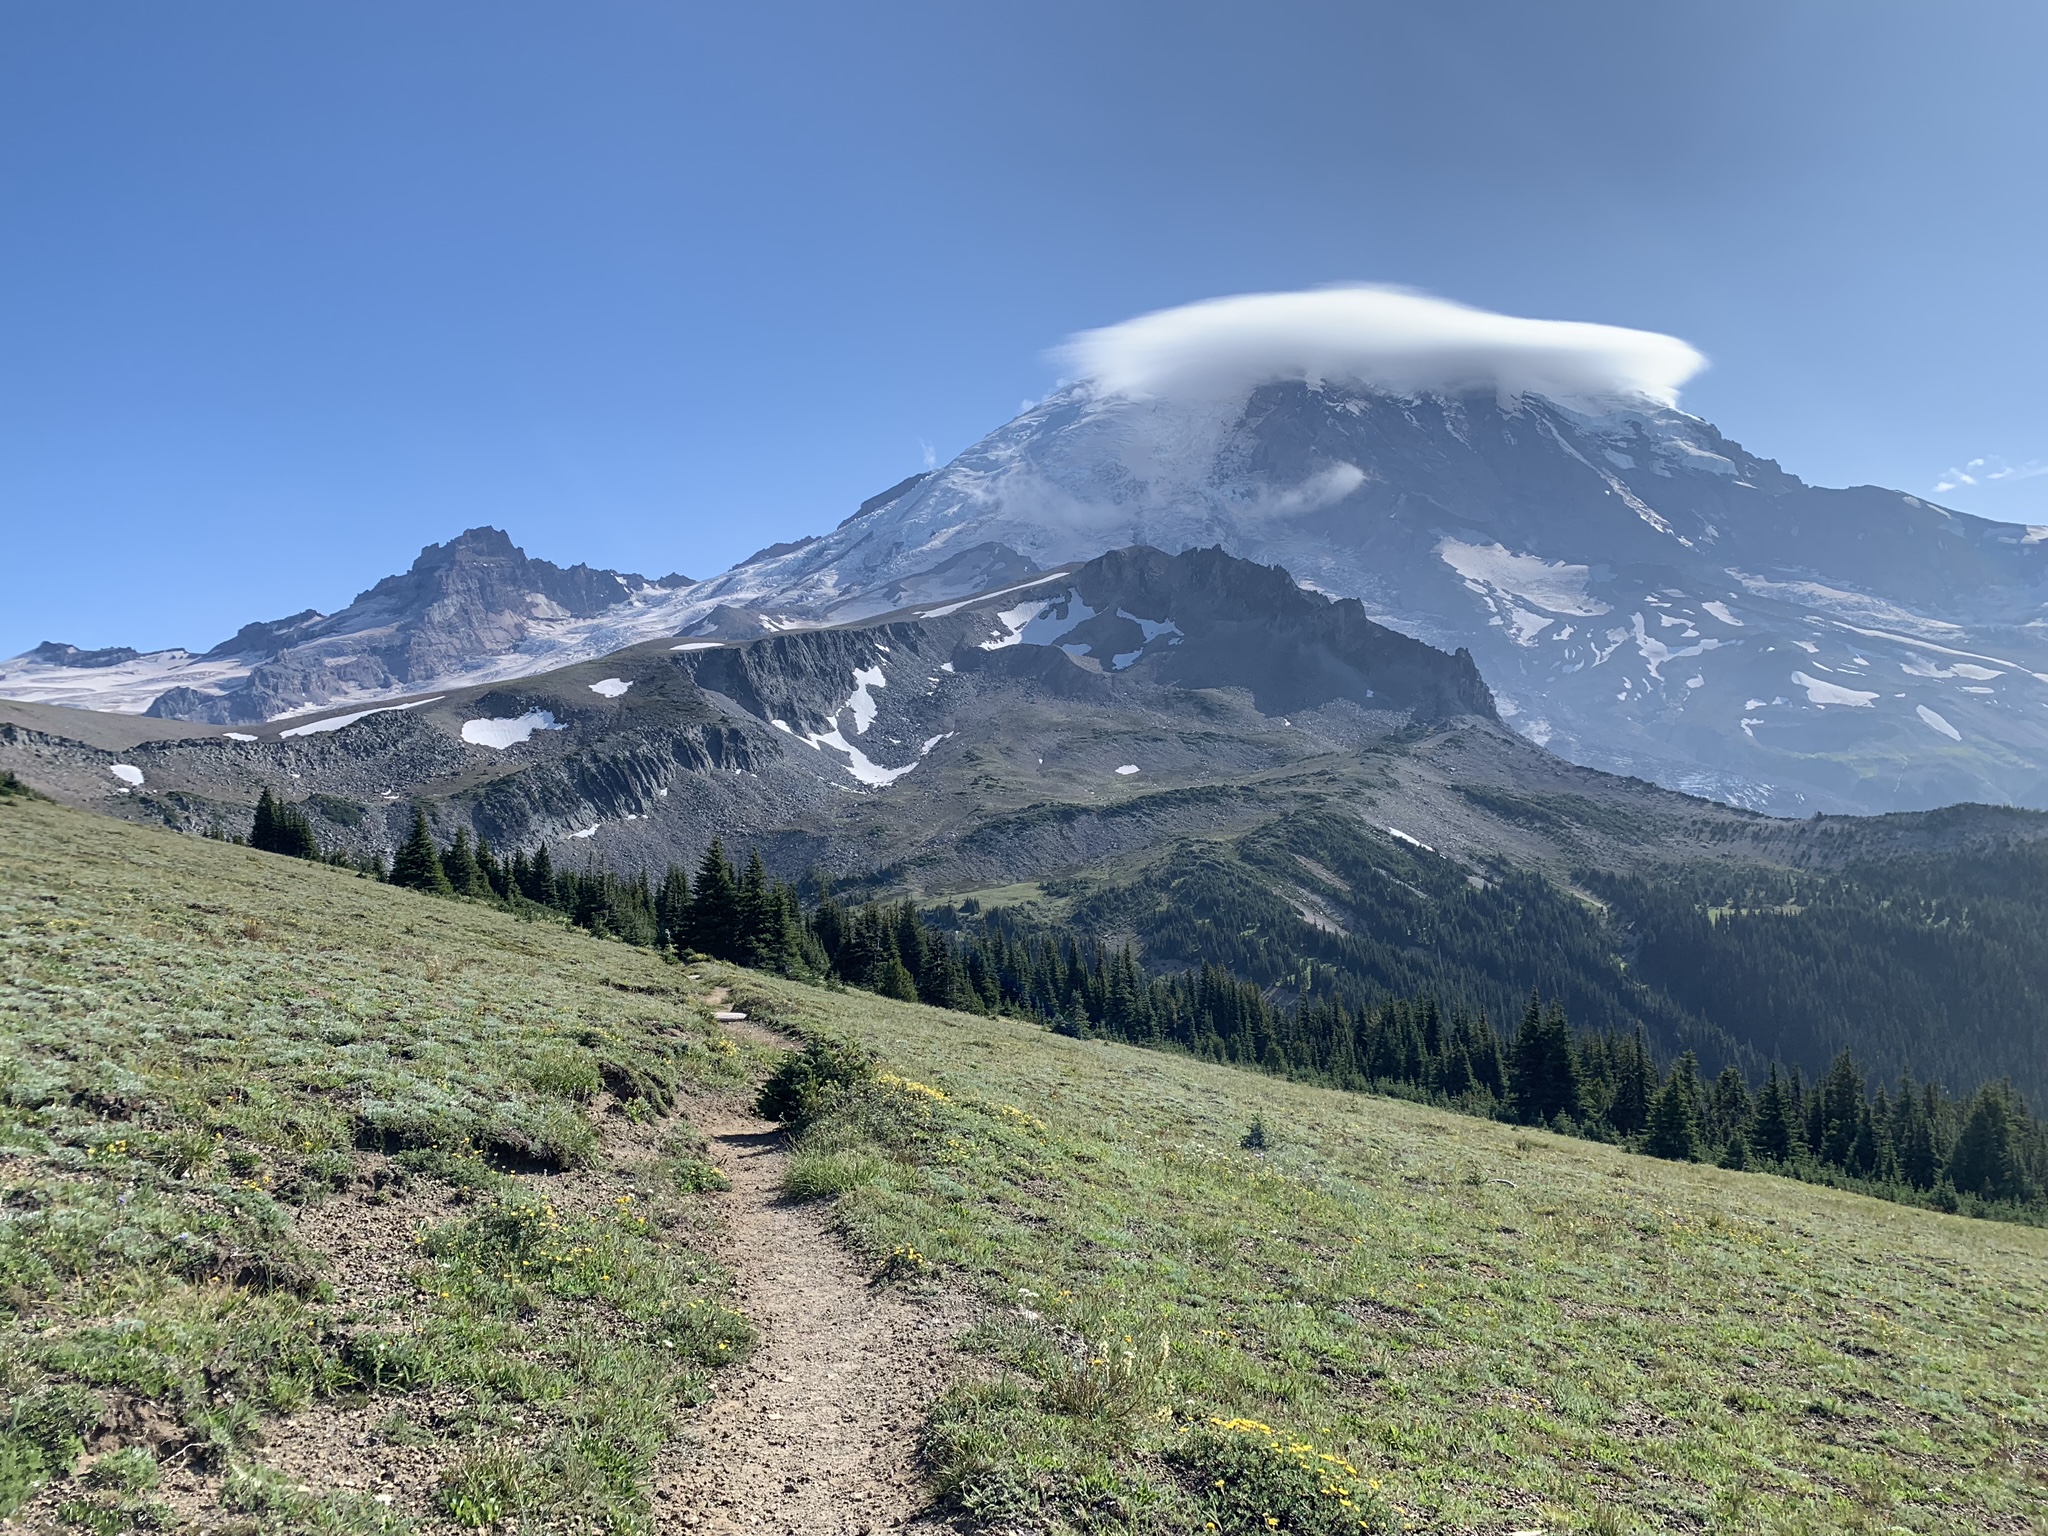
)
(288, 291)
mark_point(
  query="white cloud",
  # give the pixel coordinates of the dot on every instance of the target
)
(1988, 471)
(1325, 488)
(931, 455)
(1388, 338)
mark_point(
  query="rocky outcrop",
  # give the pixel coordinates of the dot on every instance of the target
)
(470, 601)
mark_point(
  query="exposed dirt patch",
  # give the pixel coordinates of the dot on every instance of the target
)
(816, 1435)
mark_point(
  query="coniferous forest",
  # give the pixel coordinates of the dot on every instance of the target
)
(1981, 1152)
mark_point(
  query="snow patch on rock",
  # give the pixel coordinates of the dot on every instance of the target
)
(1935, 722)
(508, 733)
(319, 727)
(1824, 693)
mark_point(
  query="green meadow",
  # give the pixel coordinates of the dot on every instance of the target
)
(1499, 1329)
(1386, 1317)
(201, 1045)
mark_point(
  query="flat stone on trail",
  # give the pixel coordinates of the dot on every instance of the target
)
(727, 1016)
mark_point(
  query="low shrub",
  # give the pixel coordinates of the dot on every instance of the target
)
(804, 1087)
(544, 1133)
(41, 1434)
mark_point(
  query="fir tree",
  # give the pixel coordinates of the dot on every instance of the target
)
(281, 828)
(1841, 1112)
(1984, 1161)
(1544, 1076)
(416, 865)
(1674, 1129)
(496, 874)
(1775, 1120)
(463, 871)
(672, 909)
(896, 981)
(540, 878)
(1728, 1106)
(1635, 1085)
(1920, 1164)
(1736, 1154)
(263, 830)
(715, 907)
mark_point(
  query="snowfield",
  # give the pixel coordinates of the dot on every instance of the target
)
(339, 722)
(508, 733)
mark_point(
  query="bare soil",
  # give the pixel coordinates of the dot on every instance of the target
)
(817, 1434)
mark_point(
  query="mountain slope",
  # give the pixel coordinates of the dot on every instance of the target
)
(1193, 754)
(1498, 1330)
(473, 609)
(1374, 1281)
(1641, 594)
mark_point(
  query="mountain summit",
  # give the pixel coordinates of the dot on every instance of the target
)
(1641, 593)
(474, 609)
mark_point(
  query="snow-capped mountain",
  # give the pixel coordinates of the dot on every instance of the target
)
(473, 610)
(1642, 594)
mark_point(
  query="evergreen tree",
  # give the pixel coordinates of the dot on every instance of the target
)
(1920, 1164)
(1736, 1154)
(672, 909)
(1841, 1112)
(540, 878)
(1635, 1085)
(758, 938)
(1984, 1161)
(263, 830)
(715, 907)
(497, 876)
(281, 828)
(1776, 1121)
(416, 865)
(1865, 1156)
(1728, 1106)
(896, 981)
(1544, 1075)
(1674, 1128)
(463, 871)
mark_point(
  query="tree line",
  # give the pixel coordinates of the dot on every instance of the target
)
(1912, 1142)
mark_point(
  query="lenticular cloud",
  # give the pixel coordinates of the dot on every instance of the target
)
(1387, 338)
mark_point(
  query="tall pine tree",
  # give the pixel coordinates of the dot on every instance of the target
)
(463, 871)
(1776, 1121)
(1674, 1126)
(417, 865)
(715, 907)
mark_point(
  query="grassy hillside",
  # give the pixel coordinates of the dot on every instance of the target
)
(228, 1077)
(1499, 1330)
(309, 1180)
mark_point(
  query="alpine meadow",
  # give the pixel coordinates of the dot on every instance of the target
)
(792, 770)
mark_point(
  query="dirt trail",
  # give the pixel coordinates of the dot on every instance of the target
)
(816, 1435)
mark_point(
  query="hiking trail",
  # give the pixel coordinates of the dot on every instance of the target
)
(816, 1435)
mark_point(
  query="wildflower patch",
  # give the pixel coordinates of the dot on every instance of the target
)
(1251, 1480)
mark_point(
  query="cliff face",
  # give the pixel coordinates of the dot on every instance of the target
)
(463, 605)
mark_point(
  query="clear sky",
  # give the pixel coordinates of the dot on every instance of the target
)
(288, 291)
